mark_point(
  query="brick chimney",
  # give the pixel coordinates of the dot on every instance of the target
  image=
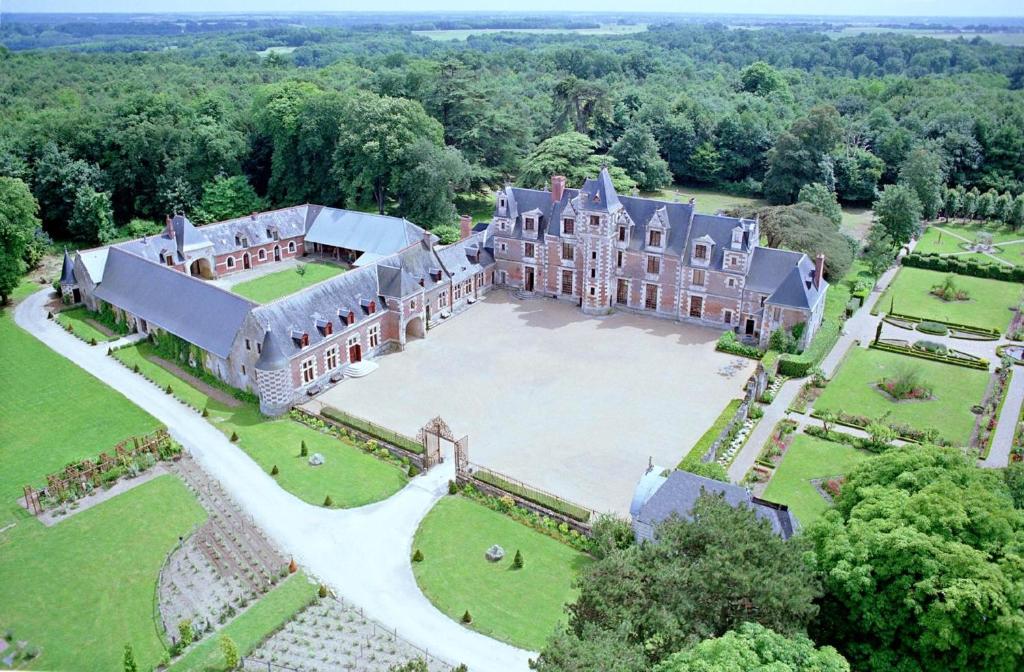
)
(819, 270)
(557, 187)
(170, 227)
(465, 226)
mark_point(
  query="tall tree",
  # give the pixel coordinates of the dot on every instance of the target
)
(799, 156)
(58, 178)
(578, 103)
(1016, 218)
(923, 172)
(921, 559)
(570, 154)
(761, 79)
(799, 227)
(857, 172)
(636, 152)
(822, 200)
(898, 212)
(755, 647)
(426, 191)
(374, 142)
(92, 220)
(644, 602)
(18, 224)
(227, 198)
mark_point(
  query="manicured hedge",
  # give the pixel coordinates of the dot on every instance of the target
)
(935, 262)
(376, 431)
(935, 328)
(551, 502)
(705, 441)
(981, 364)
(728, 342)
(955, 325)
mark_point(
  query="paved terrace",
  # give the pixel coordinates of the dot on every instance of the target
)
(565, 402)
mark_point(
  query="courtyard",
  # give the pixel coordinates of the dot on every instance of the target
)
(571, 404)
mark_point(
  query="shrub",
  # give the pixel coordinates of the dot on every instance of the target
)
(169, 389)
(794, 366)
(931, 346)
(417, 556)
(234, 437)
(128, 661)
(230, 651)
(517, 561)
(935, 328)
(728, 342)
(92, 341)
(323, 591)
(206, 412)
(756, 412)
(328, 502)
(274, 471)
(292, 566)
(783, 341)
(185, 633)
(452, 488)
(303, 451)
(609, 534)
(467, 618)
(949, 291)
(413, 470)
(135, 368)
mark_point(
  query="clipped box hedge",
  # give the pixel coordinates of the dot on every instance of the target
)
(981, 364)
(955, 325)
(935, 262)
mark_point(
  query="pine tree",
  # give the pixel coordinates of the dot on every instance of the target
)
(517, 562)
(274, 471)
(467, 618)
(417, 556)
(303, 451)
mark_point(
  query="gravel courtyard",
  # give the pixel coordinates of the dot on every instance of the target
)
(568, 403)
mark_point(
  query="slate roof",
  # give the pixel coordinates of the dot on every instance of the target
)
(786, 276)
(678, 494)
(599, 193)
(272, 356)
(362, 232)
(187, 236)
(194, 310)
(258, 228)
(468, 257)
(94, 262)
(67, 273)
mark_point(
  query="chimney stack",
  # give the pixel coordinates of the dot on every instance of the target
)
(819, 270)
(557, 187)
(170, 227)
(465, 226)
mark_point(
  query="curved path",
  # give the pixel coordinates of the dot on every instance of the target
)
(363, 554)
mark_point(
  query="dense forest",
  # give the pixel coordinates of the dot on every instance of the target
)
(216, 124)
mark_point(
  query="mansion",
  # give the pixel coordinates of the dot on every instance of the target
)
(590, 246)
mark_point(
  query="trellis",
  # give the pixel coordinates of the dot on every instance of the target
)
(76, 478)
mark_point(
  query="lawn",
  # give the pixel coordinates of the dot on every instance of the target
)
(807, 458)
(947, 238)
(253, 626)
(521, 606)
(78, 320)
(955, 389)
(52, 413)
(82, 589)
(989, 305)
(350, 476)
(273, 286)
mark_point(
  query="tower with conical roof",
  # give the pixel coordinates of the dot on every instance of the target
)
(68, 281)
(273, 377)
(599, 214)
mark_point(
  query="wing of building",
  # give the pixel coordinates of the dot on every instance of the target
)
(590, 246)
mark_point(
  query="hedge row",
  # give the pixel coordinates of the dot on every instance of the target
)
(551, 502)
(376, 431)
(955, 325)
(936, 262)
(981, 364)
(708, 438)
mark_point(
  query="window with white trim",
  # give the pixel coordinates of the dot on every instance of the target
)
(331, 358)
(262, 255)
(527, 249)
(503, 247)
(373, 336)
(653, 265)
(568, 252)
(727, 318)
(698, 278)
(230, 262)
(308, 367)
(291, 246)
(442, 300)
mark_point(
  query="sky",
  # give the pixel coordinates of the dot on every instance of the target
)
(816, 7)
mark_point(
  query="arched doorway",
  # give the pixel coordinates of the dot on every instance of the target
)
(246, 261)
(414, 328)
(201, 268)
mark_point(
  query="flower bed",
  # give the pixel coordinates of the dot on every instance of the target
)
(368, 446)
(777, 444)
(984, 431)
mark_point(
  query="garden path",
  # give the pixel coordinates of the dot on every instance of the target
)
(363, 554)
(1002, 442)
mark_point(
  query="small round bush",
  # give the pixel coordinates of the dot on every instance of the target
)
(452, 488)
(274, 471)
(933, 328)
(323, 591)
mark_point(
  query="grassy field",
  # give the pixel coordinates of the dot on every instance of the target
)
(82, 589)
(955, 389)
(251, 627)
(989, 305)
(462, 34)
(805, 459)
(77, 319)
(351, 477)
(52, 413)
(273, 286)
(522, 607)
(947, 238)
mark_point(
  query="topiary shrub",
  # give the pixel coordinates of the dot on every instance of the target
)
(135, 368)
(467, 618)
(274, 471)
(413, 470)
(328, 502)
(931, 346)
(292, 566)
(453, 488)
(933, 328)
(323, 591)
(234, 437)
(169, 389)
(206, 412)
(417, 556)
(92, 341)
(303, 451)
(517, 561)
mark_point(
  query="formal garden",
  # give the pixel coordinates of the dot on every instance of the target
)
(981, 241)
(517, 601)
(973, 301)
(864, 383)
(273, 286)
(348, 474)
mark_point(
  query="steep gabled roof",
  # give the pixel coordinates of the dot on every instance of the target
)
(187, 236)
(194, 310)
(67, 272)
(94, 261)
(599, 193)
(797, 290)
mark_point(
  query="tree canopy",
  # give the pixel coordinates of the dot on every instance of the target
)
(18, 223)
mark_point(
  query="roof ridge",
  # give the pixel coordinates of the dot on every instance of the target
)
(186, 275)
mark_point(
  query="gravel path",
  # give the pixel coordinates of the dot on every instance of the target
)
(363, 554)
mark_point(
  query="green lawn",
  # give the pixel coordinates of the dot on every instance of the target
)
(52, 413)
(76, 319)
(270, 287)
(82, 589)
(253, 626)
(807, 458)
(955, 390)
(940, 238)
(989, 305)
(350, 476)
(523, 607)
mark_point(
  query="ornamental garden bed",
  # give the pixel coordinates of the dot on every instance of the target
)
(852, 392)
(989, 308)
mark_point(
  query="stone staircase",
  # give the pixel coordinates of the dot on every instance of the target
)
(523, 295)
(360, 369)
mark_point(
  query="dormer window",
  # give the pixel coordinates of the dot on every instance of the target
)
(272, 234)
(300, 337)
(700, 252)
(369, 306)
(654, 238)
(347, 316)
(568, 226)
(501, 202)
(737, 237)
(529, 224)
(326, 327)
(435, 274)
(241, 241)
